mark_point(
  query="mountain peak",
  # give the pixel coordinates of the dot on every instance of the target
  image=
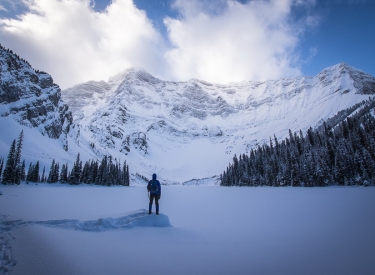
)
(155, 122)
(133, 74)
(342, 67)
(180, 130)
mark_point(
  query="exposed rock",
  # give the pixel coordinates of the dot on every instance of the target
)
(31, 97)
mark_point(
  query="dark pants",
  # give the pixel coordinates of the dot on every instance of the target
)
(156, 196)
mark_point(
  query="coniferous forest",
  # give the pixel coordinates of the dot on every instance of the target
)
(107, 172)
(337, 153)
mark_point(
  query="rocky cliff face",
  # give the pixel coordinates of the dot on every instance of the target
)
(31, 97)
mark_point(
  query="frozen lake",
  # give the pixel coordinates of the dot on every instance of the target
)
(215, 230)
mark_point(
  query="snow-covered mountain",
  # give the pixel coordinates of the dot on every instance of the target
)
(30, 101)
(31, 98)
(183, 131)
(191, 130)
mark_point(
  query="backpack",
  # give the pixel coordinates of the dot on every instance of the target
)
(154, 187)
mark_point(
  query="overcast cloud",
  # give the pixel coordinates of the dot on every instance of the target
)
(222, 42)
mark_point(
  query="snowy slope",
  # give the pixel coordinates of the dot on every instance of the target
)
(186, 132)
(31, 98)
(30, 101)
(191, 130)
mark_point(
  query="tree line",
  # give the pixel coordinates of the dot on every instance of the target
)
(340, 154)
(107, 172)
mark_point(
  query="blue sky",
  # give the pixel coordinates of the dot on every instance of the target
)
(217, 41)
(344, 34)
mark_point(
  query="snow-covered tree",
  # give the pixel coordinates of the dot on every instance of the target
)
(336, 153)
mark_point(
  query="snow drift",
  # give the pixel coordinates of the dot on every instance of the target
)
(136, 218)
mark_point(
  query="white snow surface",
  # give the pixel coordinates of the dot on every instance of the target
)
(191, 130)
(185, 132)
(61, 229)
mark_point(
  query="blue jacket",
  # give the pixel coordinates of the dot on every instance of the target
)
(157, 183)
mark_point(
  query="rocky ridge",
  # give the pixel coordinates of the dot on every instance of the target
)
(32, 98)
(180, 130)
(151, 120)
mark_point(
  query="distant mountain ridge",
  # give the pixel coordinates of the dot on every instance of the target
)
(197, 125)
(183, 131)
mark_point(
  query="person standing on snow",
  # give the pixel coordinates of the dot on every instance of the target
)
(154, 189)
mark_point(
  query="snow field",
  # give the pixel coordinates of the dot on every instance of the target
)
(215, 230)
(192, 129)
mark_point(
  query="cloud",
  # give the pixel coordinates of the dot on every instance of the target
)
(252, 41)
(217, 41)
(73, 43)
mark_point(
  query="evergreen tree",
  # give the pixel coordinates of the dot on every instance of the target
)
(1, 165)
(56, 172)
(126, 176)
(75, 174)
(368, 164)
(64, 173)
(23, 173)
(337, 153)
(35, 173)
(9, 171)
(42, 179)
(17, 160)
(29, 173)
(51, 172)
(85, 177)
